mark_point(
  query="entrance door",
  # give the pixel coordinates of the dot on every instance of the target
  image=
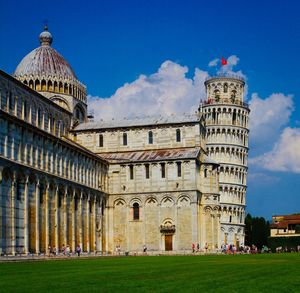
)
(168, 242)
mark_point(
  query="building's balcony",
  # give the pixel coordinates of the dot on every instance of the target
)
(223, 101)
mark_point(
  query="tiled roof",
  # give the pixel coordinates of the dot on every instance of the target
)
(152, 155)
(284, 224)
(284, 221)
(140, 121)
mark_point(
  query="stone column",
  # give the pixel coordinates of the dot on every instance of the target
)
(194, 209)
(95, 242)
(56, 198)
(66, 217)
(203, 216)
(219, 229)
(212, 230)
(37, 219)
(109, 227)
(88, 247)
(80, 221)
(47, 228)
(1, 216)
(73, 222)
(13, 213)
(26, 216)
(101, 229)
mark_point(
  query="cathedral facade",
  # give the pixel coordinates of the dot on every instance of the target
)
(163, 182)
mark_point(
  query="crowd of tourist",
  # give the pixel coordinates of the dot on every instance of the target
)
(64, 251)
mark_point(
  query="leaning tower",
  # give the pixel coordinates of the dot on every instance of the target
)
(227, 131)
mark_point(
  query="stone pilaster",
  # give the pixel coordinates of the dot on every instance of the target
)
(56, 198)
(65, 207)
(80, 221)
(73, 222)
(26, 216)
(1, 215)
(88, 247)
(13, 213)
(37, 218)
(47, 222)
(95, 242)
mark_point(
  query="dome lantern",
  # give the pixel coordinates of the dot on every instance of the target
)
(45, 37)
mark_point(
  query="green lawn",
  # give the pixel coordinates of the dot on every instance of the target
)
(225, 273)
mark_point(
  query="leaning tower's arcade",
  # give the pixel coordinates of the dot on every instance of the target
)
(227, 131)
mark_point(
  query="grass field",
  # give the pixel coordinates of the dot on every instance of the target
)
(224, 273)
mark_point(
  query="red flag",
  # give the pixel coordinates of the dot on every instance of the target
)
(223, 61)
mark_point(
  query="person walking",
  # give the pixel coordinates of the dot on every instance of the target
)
(145, 248)
(206, 247)
(68, 250)
(78, 250)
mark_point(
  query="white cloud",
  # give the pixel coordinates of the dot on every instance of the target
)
(285, 155)
(165, 92)
(169, 91)
(214, 62)
(227, 69)
(261, 178)
(267, 118)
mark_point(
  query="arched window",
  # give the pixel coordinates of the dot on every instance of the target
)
(44, 87)
(50, 87)
(124, 138)
(131, 172)
(25, 109)
(150, 137)
(217, 95)
(101, 140)
(79, 113)
(54, 126)
(234, 118)
(39, 117)
(225, 88)
(205, 173)
(11, 104)
(147, 171)
(233, 96)
(31, 84)
(37, 85)
(163, 170)
(178, 169)
(230, 219)
(178, 135)
(61, 89)
(136, 211)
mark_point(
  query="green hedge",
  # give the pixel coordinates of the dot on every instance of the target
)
(289, 242)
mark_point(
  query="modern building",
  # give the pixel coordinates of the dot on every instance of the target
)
(163, 182)
(285, 226)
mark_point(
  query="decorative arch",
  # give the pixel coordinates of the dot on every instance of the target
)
(151, 201)
(183, 201)
(120, 203)
(167, 201)
(61, 102)
(134, 200)
(79, 113)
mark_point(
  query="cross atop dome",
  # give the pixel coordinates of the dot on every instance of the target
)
(45, 37)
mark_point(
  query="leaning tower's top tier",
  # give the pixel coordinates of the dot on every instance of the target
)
(225, 90)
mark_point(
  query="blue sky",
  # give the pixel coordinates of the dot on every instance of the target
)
(111, 43)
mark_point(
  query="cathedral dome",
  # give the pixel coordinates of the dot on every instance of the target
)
(47, 72)
(44, 61)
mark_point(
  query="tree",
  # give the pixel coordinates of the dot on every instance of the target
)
(257, 230)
